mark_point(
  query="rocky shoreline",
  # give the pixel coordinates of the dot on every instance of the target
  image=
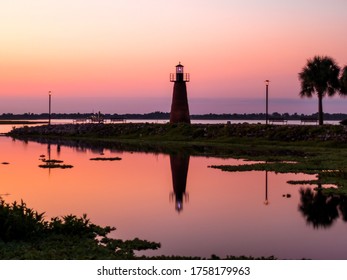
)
(185, 132)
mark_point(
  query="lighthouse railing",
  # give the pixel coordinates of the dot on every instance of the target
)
(173, 77)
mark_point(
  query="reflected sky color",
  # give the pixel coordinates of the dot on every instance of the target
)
(124, 51)
(225, 213)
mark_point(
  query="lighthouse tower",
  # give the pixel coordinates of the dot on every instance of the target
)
(179, 106)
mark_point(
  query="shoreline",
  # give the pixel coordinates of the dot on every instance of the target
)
(188, 133)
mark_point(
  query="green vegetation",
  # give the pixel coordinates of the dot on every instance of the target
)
(25, 234)
(329, 164)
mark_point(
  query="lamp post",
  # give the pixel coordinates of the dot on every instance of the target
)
(267, 101)
(49, 107)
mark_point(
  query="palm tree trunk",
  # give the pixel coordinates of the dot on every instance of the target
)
(320, 109)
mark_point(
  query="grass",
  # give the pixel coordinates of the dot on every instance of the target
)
(329, 165)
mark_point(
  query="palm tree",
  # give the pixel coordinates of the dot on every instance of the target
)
(319, 210)
(320, 76)
(343, 81)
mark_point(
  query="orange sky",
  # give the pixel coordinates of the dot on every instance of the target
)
(114, 50)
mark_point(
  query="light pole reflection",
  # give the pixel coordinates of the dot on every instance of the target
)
(266, 201)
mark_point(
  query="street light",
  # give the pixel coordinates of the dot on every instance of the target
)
(267, 100)
(49, 107)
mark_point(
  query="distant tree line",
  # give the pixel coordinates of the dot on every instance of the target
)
(165, 116)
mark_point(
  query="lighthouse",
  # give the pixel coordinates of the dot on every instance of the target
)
(179, 106)
(179, 170)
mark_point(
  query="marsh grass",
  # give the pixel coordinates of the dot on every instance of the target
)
(328, 164)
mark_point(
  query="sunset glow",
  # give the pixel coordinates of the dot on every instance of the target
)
(122, 52)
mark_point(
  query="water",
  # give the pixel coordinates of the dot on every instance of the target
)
(190, 209)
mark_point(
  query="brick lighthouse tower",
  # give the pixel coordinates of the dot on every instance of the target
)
(179, 106)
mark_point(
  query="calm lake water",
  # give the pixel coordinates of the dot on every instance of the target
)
(176, 200)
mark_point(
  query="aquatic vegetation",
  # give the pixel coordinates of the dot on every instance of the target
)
(106, 158)
(54, 165)
(52, 161)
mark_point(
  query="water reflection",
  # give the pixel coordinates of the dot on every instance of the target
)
(266, 201)
(320, 210)
(179, 170)
(49, 156)
(238, 202)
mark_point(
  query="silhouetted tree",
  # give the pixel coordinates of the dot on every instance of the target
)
(320, 76)
(343, 80)
(318, 209)
(343, 207)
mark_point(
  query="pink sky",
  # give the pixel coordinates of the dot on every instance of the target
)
(116, 56)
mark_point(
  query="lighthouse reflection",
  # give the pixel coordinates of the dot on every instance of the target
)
(179, 170)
